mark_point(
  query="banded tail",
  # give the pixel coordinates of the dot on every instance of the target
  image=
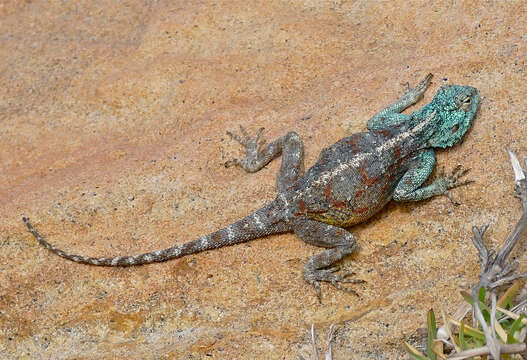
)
(262, 222)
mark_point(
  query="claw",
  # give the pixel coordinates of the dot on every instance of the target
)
(453, 181)
(258, 133)
(466, 182)
(246, 141)
(245, 134)
(252, 147)
(426, 80)
(451, 198)
(328, 275)
(344, 279)
(343, 288)
(316, 285)
(229, 163)
(421, 87)
(456, 169)
(237, 138)
(457, 173)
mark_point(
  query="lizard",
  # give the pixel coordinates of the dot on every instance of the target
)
(351, 181)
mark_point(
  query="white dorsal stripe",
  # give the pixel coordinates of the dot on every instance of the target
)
(230, 232)
(258, 222)
(357, 160)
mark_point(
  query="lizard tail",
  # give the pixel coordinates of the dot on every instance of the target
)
(258, 224)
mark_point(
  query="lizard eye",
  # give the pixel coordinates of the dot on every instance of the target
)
(454, 128)
(464, 102)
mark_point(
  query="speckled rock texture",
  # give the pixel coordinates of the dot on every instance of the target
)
(112, 140)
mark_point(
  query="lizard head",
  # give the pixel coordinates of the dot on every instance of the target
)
(455, 108)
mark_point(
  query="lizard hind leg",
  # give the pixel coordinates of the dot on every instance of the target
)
(289, 146)
(339, 243)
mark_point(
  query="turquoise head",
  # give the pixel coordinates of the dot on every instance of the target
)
(455, 108)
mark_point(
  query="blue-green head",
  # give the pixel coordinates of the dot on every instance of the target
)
(455, 108)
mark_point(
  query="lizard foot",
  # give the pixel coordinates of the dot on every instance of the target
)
(418, 90)
(315, 276)
(453, 180)
(252, 146)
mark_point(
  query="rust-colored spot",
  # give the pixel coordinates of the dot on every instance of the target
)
(216, 237)
(361, 210)
(392, 168)
(338, 204)
(365, 178)
(397, 152)
(327, 192)
(302, 206)
(370, 181)
(388, 182)
(359, 193)
(315, 212)
(383, 132)
(352, 140)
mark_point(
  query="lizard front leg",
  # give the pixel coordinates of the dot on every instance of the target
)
(410, 186)
(339, 243)
(390, 116)
(289, 146)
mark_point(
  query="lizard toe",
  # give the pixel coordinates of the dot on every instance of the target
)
(329, 276)
(251, 162)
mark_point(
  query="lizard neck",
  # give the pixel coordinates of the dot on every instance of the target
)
(411, 137)
(420, 129)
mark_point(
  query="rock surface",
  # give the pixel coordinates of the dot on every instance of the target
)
(112, 138)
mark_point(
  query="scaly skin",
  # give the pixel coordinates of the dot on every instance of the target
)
(351, 181)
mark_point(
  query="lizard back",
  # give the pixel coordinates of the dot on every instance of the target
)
(355, 177)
